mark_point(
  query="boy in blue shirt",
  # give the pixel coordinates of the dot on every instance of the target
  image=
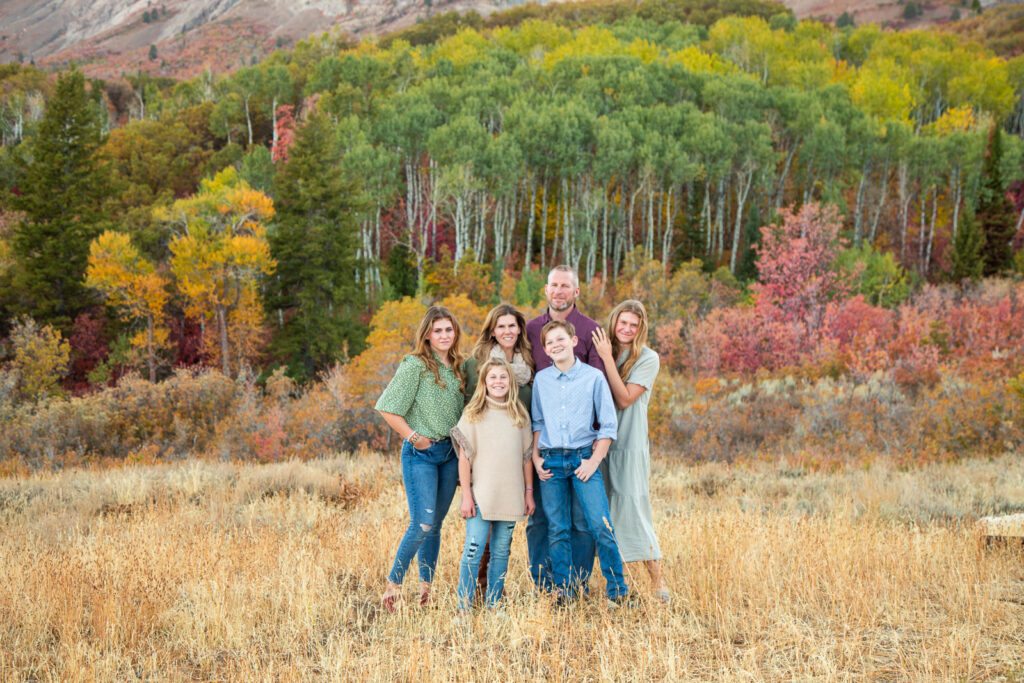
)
(569, 398)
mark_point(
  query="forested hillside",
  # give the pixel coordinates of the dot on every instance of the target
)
(783, 194)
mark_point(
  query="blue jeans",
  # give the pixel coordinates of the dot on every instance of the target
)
(477, 529)
(581, 541)
(430, 477)
(559, 491)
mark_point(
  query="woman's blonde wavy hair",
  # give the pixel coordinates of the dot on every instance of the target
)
(478, 404)
(639, 341)
(485, 341)
(426, 354)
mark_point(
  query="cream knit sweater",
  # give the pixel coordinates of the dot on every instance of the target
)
(497, 449)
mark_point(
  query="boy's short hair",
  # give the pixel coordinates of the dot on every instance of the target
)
(553, 324)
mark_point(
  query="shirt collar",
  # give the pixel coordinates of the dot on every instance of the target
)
(572, 372)
(440, 364)
(573, 313)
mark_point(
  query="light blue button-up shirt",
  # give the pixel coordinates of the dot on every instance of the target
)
(566, 406)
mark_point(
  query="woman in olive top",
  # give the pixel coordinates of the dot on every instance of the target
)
(422, 403)
(503, 335)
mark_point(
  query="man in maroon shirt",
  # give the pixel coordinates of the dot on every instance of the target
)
(561, 291)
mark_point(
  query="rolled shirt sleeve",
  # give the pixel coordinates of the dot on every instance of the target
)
(400, 393)
(431, 409)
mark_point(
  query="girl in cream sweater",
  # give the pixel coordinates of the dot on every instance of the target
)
(494, 438)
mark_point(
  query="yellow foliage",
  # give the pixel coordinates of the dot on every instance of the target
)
(644, 50)
(532, 37)
(464, 48)
(590, 41)
(955, 120)
(698, 61)
(883, 92)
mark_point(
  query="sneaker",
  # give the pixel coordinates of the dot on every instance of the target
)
(663, 596)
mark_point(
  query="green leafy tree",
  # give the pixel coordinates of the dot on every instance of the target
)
(316, 294)
(995, 215)
(62, 189)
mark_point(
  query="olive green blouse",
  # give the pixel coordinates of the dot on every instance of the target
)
(428, 408)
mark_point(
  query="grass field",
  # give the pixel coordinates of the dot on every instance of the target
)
(212, 571)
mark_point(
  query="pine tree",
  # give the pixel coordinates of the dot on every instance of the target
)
(967, 261)
(400, 270)
(316, 295)
(62, 188)
(995, 214)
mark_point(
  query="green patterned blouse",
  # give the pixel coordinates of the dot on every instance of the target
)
(429, 408)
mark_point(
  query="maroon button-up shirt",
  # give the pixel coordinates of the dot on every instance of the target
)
(584, 327)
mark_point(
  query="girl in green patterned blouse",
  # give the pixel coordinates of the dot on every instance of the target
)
(422, 403)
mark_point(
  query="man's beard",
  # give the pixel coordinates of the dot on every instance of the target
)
(564, 307)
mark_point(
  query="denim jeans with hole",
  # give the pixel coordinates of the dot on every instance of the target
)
(477, 529)
(581, 541)
(559, 492)
(430, 476)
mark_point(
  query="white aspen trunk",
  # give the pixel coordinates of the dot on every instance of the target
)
(858, 212)
(434, 201)
(604, 243)
(880, 205)
(720, 218)
(931, 230)
(558, 221)
(530, 221)
(809, 185)
(706, 213)
(248, 119)
(957, 184)
(273, 119)
(742, 191)
(649, 237)
(903, 177)
(922, 199)
(666, 236)
(781, 187)
(543, 223)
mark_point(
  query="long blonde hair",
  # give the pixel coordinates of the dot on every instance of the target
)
(639, 341)
(486, 341)
(478, 404)
(426, 354)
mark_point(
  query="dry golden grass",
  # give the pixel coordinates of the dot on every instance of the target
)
(205, 571)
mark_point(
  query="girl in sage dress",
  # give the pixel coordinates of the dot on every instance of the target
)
(631, 367)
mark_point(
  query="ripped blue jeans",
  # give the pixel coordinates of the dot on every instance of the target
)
(430, 477)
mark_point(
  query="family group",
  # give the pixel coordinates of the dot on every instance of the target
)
(546, 421)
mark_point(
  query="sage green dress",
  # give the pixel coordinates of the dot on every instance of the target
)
(628, 472)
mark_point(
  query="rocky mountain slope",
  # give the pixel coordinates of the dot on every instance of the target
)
(108, 35)
(181, 38)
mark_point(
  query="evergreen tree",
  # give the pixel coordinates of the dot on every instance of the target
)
(967, 259)
(61, 192)
(995, 214)
(152, 52)
(400, 270)
(316, 294)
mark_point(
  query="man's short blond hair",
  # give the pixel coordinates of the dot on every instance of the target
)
(565, 269)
